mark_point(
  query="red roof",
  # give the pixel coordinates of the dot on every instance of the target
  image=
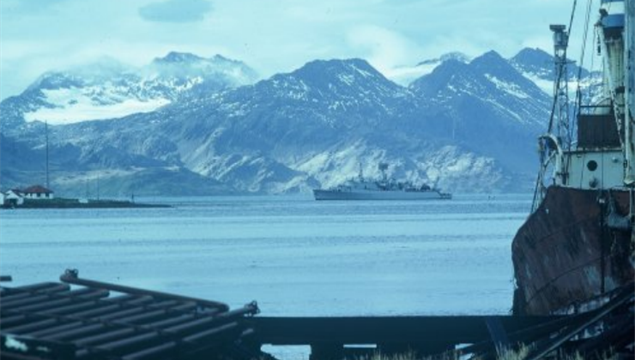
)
(37, 189)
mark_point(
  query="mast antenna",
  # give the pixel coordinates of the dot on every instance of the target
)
(46, 136)
(561, 86)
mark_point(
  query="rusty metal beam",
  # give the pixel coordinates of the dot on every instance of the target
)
(65, 299)
(69, 334)
(102, 331)
(106, 336)
(12, 320)
(72, 308)
(151, 352)
(159, 325)
(30, 288)
(120, 314)
(29, 297)
(206, 334)
(153, 315)
(98, 310)
(202, 325)
(38, 325)
(43, 333)
(71, 277)
(140, 300)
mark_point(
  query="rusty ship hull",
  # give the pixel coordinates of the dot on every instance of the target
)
(570, 252)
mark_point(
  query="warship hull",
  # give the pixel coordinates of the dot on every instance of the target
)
(339, 194)
(573, 251)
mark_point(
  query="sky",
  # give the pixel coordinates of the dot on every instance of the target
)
(271, 36)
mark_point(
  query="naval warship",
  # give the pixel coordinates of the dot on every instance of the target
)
(381, 189)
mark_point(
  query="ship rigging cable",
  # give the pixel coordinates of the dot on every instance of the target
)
(578, 94)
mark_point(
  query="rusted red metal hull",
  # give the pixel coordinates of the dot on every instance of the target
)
(566, 254)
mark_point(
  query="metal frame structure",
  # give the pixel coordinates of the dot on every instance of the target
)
(106, 321)
(86, 319)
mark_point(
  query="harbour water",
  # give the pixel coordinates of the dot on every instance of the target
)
(295, 256)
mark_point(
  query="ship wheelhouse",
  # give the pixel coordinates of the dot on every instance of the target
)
(602, 154)
(597, 161)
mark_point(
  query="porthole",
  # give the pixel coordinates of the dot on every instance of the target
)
(592, 165)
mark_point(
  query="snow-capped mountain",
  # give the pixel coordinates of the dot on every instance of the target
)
(467, 126)
(487, 105)
(405, 75)
(538, 66)
(107, 89)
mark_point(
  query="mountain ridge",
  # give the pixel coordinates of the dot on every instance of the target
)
(466, 126)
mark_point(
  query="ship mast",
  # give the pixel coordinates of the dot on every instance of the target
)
(553, 168)
(46, 135)
(561, 89)
(629, 81)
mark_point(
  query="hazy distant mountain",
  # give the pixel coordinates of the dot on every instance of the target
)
(466, 126)
(108, 89)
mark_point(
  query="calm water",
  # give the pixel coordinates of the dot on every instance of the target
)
(295, 256)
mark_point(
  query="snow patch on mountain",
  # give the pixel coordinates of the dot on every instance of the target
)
(336, 166)
(74, 105)
(450, 167)
(545, 85)
(510, 88)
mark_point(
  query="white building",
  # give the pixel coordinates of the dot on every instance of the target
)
(13, 198)
(38, 192)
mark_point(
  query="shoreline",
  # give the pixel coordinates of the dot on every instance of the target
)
(64, 203)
